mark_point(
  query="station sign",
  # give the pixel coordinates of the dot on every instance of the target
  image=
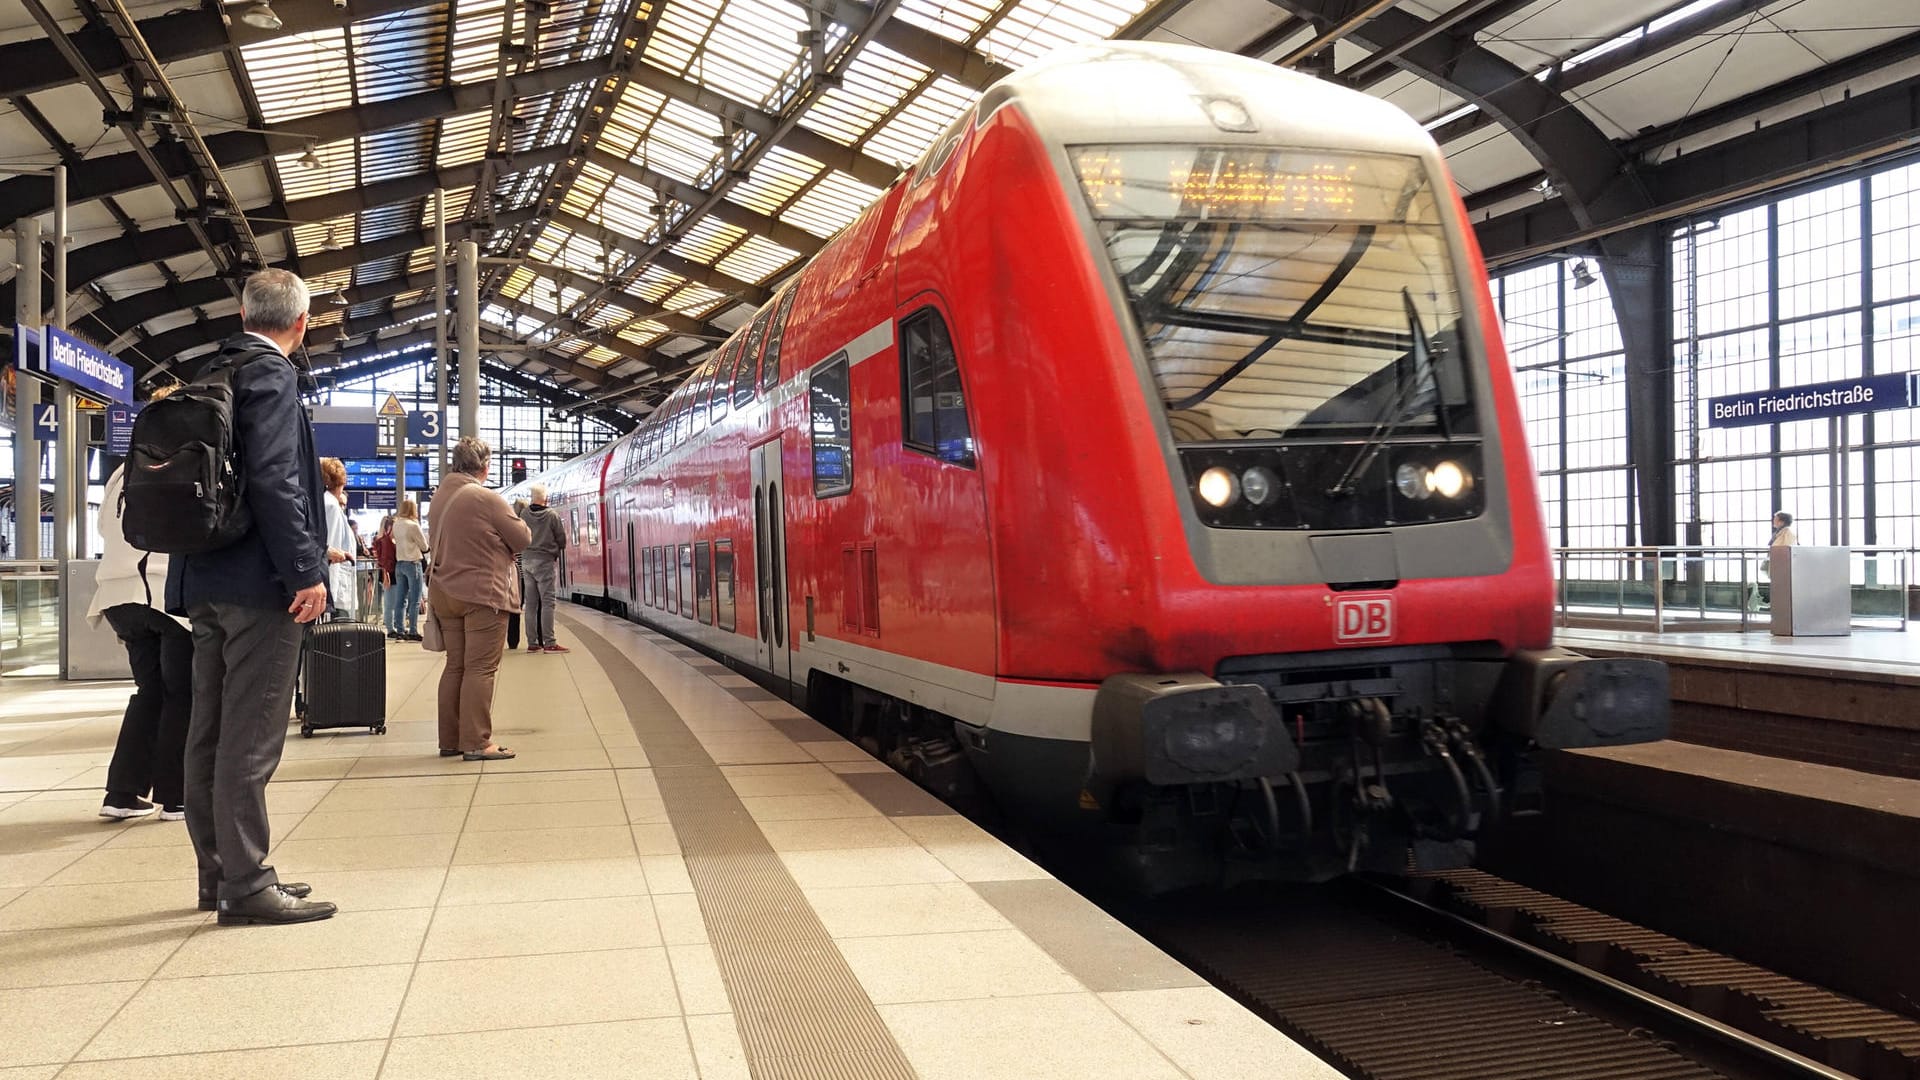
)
(344, 431)
(46, 422)
(1815, 401)
(377, 474)
(427, 427)
(62, 356)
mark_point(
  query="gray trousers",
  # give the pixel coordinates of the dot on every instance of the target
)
(542, 583)
(244, 662)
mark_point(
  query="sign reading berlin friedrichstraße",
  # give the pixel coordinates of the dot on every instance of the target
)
(1816, 401)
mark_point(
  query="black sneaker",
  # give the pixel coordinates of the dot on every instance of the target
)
(118, 805)
(173, 812)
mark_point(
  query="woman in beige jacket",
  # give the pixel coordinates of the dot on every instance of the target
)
(475, 537)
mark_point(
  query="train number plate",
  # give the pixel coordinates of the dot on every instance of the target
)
(1363, 618)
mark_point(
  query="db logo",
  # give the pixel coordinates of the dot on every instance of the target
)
(1363, 618)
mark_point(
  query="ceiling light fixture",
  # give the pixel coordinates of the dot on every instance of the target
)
(1582, 274)
(332, 242)
(260, 16)
(309, 160)
(338, 298)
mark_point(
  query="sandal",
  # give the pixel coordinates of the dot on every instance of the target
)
(492, 753)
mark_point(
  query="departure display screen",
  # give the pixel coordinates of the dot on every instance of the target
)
(1165, 182)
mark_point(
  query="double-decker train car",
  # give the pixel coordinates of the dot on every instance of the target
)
(1148, 455)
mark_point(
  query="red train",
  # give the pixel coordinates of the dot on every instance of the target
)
(1148, 451)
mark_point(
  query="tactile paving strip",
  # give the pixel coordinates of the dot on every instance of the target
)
(800, 1011)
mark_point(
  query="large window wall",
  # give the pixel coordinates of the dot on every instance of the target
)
(1569, 364)
(1815, 287)
(514, 423)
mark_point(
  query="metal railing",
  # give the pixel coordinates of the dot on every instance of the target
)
(29, 617)
(1709, 588)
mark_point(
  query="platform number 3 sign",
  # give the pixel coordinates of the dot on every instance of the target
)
(426, 428)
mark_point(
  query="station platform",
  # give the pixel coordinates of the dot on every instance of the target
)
(1890, 653)
(679, 876)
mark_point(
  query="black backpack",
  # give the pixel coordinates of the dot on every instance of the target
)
(184, 492)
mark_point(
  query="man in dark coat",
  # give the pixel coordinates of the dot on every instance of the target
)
(249, 602)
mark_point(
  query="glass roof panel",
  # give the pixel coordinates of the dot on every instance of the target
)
(655, 284)
(463, 139)
(751, 49)
(628, 123)
(678, 33)
(1036, 27)
(776, 178)
(708, 239)
(337, 162)
(756, 260)
(956, 20)
(643, 333)
(397, 152)
(877, 81)
(299, 75)
(476, 40)
(399, 54)
(836, 200)
(905, 137)
(311, 239)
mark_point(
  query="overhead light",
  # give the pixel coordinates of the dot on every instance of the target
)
(309, 160)
(338, 298)
(332, 242)
(1582, 274)
(260, 16)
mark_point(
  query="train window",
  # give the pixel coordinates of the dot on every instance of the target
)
(723, 381)
(777, 332)
(646, 577)
(723, 583)
(935, 408)
(756, 334)
(697, 385)
(672, 581)
(703, 582)
(686, 580)
(744, 375)
(832, 409)
(682, 422)
(573, 526)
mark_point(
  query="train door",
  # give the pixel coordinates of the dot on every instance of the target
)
(633, 579)
(771, 648)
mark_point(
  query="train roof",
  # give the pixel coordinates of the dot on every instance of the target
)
(1143, 91)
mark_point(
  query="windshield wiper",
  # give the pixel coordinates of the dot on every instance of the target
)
(1395, 413)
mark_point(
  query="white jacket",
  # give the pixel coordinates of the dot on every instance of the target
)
(118, 580)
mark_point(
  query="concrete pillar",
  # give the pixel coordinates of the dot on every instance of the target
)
(469, 328)
(26, 449)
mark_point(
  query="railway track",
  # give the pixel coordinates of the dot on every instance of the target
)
(1464, 976)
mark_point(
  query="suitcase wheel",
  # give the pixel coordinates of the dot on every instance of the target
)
(306, 731)
(380, 730)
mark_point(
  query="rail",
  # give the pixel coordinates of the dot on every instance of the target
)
(29, 616)
(1711, 588)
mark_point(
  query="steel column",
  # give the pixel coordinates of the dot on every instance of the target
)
(1636, 269)
(26, 450)
(440, 318)
(468, 281)
(64, 514)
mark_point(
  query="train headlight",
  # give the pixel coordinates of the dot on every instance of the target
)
(1413, 481)
(1448, 480)
(1257, 485)
(1219, 487)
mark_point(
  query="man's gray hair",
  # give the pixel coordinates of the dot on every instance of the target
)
(273, 301)
(538, 494)
(470, 455)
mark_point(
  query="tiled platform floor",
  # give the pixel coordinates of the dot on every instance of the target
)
(677, 877)
(1883, 652)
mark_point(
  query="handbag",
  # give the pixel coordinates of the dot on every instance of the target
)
(430, 639)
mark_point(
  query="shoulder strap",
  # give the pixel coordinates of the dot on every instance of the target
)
(145, 583)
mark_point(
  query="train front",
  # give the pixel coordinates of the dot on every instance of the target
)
(1346, 657)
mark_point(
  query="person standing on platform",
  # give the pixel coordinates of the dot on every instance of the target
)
(471, 594)
(131, 587)
(519, 582)
(1783, 530)
(541, 561)
(341, 587)
(409, 548)
(383, 557)
(250, 602)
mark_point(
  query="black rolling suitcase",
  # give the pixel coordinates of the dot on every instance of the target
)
(343, 678)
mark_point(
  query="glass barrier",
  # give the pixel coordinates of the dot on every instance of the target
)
(1705, 588)
(29, 618)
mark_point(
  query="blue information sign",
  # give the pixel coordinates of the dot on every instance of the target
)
(376, 474)
(120, 428)
(46, 421)
(1816, 401)
(63, 356)
(426, 428)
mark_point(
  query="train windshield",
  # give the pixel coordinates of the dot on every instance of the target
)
(1286, 294)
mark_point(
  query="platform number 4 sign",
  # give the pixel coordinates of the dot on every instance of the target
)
(426, 428)
(46, 422)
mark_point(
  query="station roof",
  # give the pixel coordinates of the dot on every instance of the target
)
(645, 171)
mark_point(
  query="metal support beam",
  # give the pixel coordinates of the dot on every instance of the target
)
(440, 304)
(1635, 265)
(26, 449)
(468, 282)
(1336, 32)
(64, 515)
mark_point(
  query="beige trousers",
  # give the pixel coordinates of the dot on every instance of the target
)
(475, 637)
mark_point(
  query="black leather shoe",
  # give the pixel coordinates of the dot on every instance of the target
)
(272, 905)
(299, 890)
